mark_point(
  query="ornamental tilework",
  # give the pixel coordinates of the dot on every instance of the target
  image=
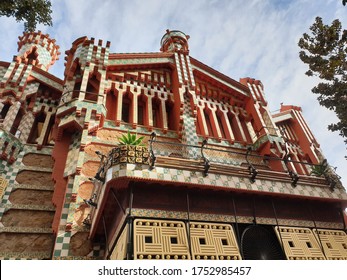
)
(30, 88)
(61, 248)
(221, 181)
(25, 126)
(11, 115)
(73, 155)
(2, 72)
(69, 205)
(189, 132)
(62, 244)
(195, 216)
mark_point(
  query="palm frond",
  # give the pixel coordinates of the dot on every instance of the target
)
(130, 139)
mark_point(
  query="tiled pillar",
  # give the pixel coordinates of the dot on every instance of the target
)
(11, 115)
(189, 135)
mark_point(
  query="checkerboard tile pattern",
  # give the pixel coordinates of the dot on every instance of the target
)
(2, 72)
(13, 148)
(25, 126)
(62, 243)
(11, 115)
(222, 181)
(189, 135)
(73, 155)
(30, 88)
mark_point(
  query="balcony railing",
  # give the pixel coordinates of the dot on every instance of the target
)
(192, 157)
(203, 156)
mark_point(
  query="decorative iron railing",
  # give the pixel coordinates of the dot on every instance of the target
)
(203, 155)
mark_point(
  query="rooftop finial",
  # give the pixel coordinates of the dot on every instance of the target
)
(174, 41)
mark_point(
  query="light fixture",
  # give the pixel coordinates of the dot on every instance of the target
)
(101, 167)
(294, 177)
(153, 158)
(207, 164)
(98, 177)
(253, 172)
(100, 155)
(87, 221)
(91, 202)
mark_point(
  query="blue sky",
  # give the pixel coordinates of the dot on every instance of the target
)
(240, 38)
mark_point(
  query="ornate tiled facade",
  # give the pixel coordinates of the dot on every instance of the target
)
(214, 164)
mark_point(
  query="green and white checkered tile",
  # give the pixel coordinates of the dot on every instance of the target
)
(62, 244)
(72, 158)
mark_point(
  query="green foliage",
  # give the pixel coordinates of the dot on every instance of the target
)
(131, 139)
(320, 170)
(31, 12)
(325, 52)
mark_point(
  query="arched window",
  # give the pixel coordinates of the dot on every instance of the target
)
(126, 108)
(4, 111)
(234, 127)
(111, 105)
(141, 112)
(32, 57)
(76, 89)
(245, 129)
(221, 125)
(36, 128)
(156, 113)
(48, 140)
(16, 122)
(92, 89)
(170, 114)
(208, 123)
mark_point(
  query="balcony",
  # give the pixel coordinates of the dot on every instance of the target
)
(201, 167)
(73, 98)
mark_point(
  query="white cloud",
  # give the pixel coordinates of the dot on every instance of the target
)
(239, 38)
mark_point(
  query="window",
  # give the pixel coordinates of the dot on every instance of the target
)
(111, 105)
(125, 111)
(36, 128)
(169, 115)
(4, 110)
(140, 113)
(157, 120)
(221, 126)
(92, 89)
(16, 122)
(234, 127)
(208, 123)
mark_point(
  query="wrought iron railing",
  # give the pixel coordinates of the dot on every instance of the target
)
(204, 155)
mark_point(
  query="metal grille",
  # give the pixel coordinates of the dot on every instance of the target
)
(213, 242)
(334, 243)
(158, 239)
(299, 243)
